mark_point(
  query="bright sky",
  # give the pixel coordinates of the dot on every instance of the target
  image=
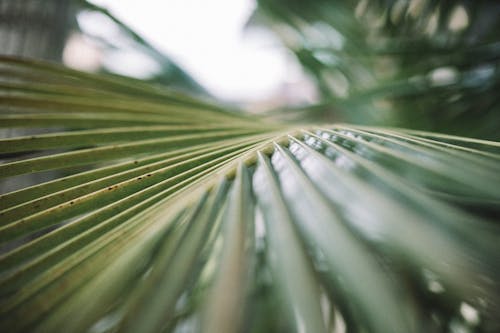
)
(206, 39)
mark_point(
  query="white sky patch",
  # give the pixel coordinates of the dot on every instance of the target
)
(206, 39)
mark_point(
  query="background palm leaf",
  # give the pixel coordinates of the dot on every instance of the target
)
(40, 30)
(423, 64)
(173, 214)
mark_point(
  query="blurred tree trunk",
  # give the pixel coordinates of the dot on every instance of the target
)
(35, 28)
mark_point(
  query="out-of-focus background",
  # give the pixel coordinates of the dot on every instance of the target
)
(423, 64)
(209, 40)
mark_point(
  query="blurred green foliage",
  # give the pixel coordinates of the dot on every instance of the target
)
(423, 64)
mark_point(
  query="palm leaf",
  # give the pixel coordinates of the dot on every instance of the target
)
(173, 214)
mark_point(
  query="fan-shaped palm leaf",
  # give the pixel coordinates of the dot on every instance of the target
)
(172, 214)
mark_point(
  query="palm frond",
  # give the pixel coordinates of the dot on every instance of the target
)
(173, 214)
